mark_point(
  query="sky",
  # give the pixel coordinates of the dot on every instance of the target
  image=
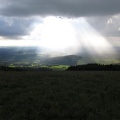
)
(63, 26)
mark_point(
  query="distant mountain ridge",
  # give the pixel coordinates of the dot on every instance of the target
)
(64, 60)
(30, 55)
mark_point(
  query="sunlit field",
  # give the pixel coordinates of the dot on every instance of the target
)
(59, 95)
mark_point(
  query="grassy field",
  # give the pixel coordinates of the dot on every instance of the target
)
(56, 67)
(59, 95)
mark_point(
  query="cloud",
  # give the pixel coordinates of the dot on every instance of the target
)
(107, 25)
(18, 16)
(71, 8)
(14, 28)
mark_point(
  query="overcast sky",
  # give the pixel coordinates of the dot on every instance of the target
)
(17, 17)
(73, 8)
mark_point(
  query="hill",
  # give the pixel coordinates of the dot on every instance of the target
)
(31, 56)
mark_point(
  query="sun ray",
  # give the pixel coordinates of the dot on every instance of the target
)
(63, 35)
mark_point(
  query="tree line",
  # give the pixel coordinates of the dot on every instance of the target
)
(94, 67)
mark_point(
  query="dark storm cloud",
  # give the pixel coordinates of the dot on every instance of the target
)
(13, 28)
(70, 8)
(16, 15)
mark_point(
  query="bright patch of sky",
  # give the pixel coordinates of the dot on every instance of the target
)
(63, 35)
(92, 25)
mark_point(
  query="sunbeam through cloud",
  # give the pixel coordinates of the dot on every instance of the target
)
(64, 36)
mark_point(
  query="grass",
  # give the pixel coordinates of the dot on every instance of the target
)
(59, 95)
(59, 67)
(56, 67)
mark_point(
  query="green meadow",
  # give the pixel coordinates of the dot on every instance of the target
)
(59, 95)
(55, 67)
